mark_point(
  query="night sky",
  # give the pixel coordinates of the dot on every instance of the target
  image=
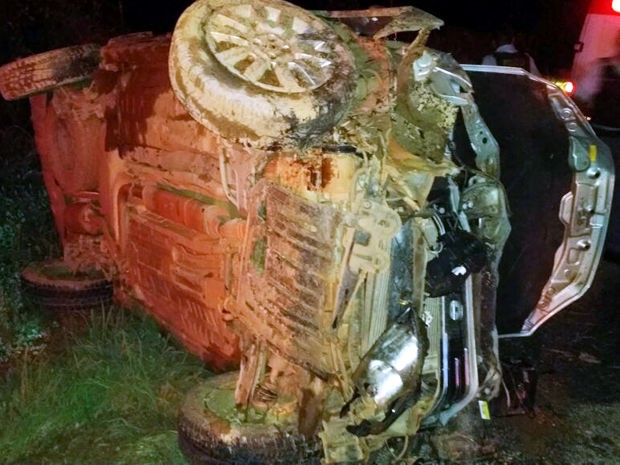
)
(476, 14)
(548, 28)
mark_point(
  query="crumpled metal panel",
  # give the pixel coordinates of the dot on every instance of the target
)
(286, 288)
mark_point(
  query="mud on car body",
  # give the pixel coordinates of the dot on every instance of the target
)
(300, 195)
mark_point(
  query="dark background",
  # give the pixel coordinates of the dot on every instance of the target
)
(547, 28)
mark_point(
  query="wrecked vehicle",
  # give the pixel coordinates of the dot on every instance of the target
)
(305, 197)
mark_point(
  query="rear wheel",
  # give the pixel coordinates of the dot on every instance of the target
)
(46, 71)
(213, 432)
(52, 285)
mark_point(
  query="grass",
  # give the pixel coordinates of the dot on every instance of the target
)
(26, 234)
(110, 397)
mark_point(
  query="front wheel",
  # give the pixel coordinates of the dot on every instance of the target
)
(212, 431)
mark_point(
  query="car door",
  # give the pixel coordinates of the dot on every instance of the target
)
(559, 181)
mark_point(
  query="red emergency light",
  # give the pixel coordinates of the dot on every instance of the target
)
(605, 7)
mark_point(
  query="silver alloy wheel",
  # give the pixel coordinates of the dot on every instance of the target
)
(266, 74)
(275, 47)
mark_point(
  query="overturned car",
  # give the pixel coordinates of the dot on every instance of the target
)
(304, 197)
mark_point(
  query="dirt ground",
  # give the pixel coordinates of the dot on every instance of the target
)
(576, 418)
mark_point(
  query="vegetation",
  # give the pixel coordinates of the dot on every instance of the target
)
(26, 234)
(109, 396)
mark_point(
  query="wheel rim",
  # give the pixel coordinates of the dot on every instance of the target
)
(275, 47)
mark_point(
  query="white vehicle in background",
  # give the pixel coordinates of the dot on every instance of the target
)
(597, 39)
(596, 72)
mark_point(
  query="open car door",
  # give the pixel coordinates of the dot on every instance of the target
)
(559, 181)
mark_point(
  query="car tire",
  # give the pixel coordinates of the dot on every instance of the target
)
(266, 73)
(47, 71)
(207, 438)
(50, 285)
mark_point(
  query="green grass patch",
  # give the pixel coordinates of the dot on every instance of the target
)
(109, 396)
(27, 234)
